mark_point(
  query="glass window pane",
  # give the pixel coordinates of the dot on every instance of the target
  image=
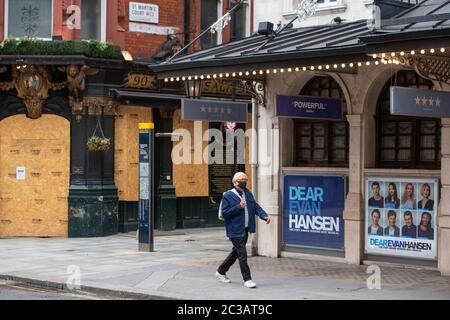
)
(338, 142)
(304, 154)
(404, 155)
(91, 19)
(31, 18)
(388, 142)
(388, 128)
(305, 142)
(404, 128)
(239, 25)
(427, 155)
(339, 128)
(319, 142)
(208, 17)
(388, 155)
(428, 142)
(304, 129)
(338, 155)
(319, 129)
(319, 155)
(428, 127)
(404, 141)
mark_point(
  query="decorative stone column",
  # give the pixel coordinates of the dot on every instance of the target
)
(443, 220)
(354, 203)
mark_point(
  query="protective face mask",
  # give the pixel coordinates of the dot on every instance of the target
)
(242, 184)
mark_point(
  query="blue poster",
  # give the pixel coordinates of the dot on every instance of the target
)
(309, 107)
(313, 211)
(144, 186)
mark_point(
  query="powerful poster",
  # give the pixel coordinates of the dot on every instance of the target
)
(313, 211)
(401, 217)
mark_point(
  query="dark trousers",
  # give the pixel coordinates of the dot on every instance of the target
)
(239, 252)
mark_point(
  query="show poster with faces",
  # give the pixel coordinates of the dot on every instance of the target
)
(401, 217)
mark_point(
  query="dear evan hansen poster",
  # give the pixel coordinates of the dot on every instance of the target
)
(313, 211)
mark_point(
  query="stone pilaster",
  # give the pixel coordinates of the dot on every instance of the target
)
(443, 220)
(354, 209)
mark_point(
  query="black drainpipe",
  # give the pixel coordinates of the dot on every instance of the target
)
(187, 21)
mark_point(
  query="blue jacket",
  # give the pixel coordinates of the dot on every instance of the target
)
(234, 215)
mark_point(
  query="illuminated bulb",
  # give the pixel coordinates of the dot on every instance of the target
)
(234, 74)
(390, 61)
(261, 72)
(227, 75)
(374, 56)
(281, 70)
(442, 50)
(289, 69)
(214, 76)
(297, 69)
(195, 77)
(172, 79)
(431, 50)
(183, 78)
(274, 70)
(312, 68)
(319, 67)
(248, 73)
(304, 68)
(220, 75)
(178, 79)
(377, 63)
(267, 71)
(351, 64)
(165, 80)
(413, 52)
(422, 51)
(383, 55)
(335, 66)
(327, 66)
(254, 73)
(202, 77)
(208, 77)
(402, 53)
(359, 64)
(367, 63)
(393, 54)
(240, 74)
(343, 65)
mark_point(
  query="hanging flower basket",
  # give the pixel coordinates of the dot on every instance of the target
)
(96, 143)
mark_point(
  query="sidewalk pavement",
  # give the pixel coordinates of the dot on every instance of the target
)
(183, 267)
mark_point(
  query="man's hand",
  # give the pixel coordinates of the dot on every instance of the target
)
(243, 203)
(267, 219)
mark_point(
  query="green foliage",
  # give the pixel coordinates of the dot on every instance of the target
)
(88, 48)
(96, 143)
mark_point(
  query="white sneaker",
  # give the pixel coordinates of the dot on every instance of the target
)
(222, 277)
(249, 284)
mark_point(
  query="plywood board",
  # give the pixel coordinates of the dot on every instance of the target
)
(42, 146)
(189, 179)
(127, 150)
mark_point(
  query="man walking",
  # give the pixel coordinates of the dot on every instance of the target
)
(238, 209)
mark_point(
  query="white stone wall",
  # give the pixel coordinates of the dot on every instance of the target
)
(283, 11)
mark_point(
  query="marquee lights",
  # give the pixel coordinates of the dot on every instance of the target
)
(383, 58)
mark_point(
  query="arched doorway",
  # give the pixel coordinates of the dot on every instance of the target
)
(34, 176)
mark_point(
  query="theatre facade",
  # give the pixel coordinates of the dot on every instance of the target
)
(347, 168)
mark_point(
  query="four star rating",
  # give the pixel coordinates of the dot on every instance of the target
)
(431, 102)
(215, 110)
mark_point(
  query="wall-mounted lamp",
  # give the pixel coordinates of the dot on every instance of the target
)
(127, 56)
(193, 88)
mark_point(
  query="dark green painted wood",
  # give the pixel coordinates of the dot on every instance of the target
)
(128, 216)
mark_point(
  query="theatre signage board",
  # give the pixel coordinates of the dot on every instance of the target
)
(419, 103)
(309, 107)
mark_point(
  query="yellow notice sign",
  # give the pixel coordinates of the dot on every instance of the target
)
(146, 125)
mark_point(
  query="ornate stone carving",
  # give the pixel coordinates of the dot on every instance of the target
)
(32, 84)
(100, 106)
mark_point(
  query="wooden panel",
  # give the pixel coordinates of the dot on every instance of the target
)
(127, 150)
(36, 206)
(190, 180)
